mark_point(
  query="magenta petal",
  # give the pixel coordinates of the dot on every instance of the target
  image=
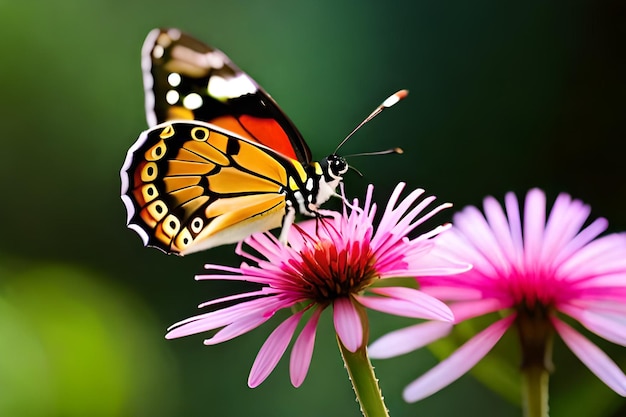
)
(408, 339)
(237, 329)
(302, 350)
(220, 318)
(272, 350)
(347, 324)
(595, 359)
(457, 364)
(407, 302)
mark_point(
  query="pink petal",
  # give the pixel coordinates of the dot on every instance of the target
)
(515, 222)
(347, 323)
(610, 326)
(408, 339)
(262, 292)
(566, 218)
(534, 225)
(302, 350)
(481, 236)
(433, 263)
(237, 329)
(451, 293)
(390, 216)
(603, 255)
(220, 318)
(582, 238)
(457, 364)
(469, 240)
(464, 310)
(501, 230)
(595, 359)
(272, 350)
(407, 302)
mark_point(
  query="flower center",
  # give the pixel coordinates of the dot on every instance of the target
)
(529, 288)
(329, 272)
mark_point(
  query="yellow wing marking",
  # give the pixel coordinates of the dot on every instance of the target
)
(235, 204)
(153, 213)
(232, 180)
(200, 134)
(236, 219)
(179, 112)
(211, 152)
(167, 132)
(247, 212)
(156, 152)
(187, 194)
(186, 155)
(188, 168)
(145, 194)
(300, 170)
(258, 161)
(149, 172)
(178, 182)
(169, 226)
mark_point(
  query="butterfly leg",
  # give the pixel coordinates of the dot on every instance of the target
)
(290, 217)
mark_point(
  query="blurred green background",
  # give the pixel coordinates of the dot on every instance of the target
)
(504, 96)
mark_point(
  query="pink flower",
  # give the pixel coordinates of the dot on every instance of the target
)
(533, 272)
(329, 262)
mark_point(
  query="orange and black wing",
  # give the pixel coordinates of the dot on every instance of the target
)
(189, 186)
(186, 79)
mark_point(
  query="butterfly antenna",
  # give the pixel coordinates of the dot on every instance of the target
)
(390, 101)
(398, 151)
(359, 173)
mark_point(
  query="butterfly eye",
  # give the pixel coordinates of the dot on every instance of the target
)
(339, 166)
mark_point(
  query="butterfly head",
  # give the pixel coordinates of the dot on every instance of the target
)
(333, 168)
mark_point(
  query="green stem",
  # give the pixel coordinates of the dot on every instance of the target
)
(535, 391)
(364, 381)
(536, 335)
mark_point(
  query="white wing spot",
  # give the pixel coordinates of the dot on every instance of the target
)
(240, 85)
(158, 51)
(172, 97)
(174, 79)
(193, 101)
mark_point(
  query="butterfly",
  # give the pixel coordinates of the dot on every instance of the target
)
(220, 159)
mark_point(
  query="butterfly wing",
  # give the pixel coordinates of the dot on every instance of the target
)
(190, 186)
(186, 79)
